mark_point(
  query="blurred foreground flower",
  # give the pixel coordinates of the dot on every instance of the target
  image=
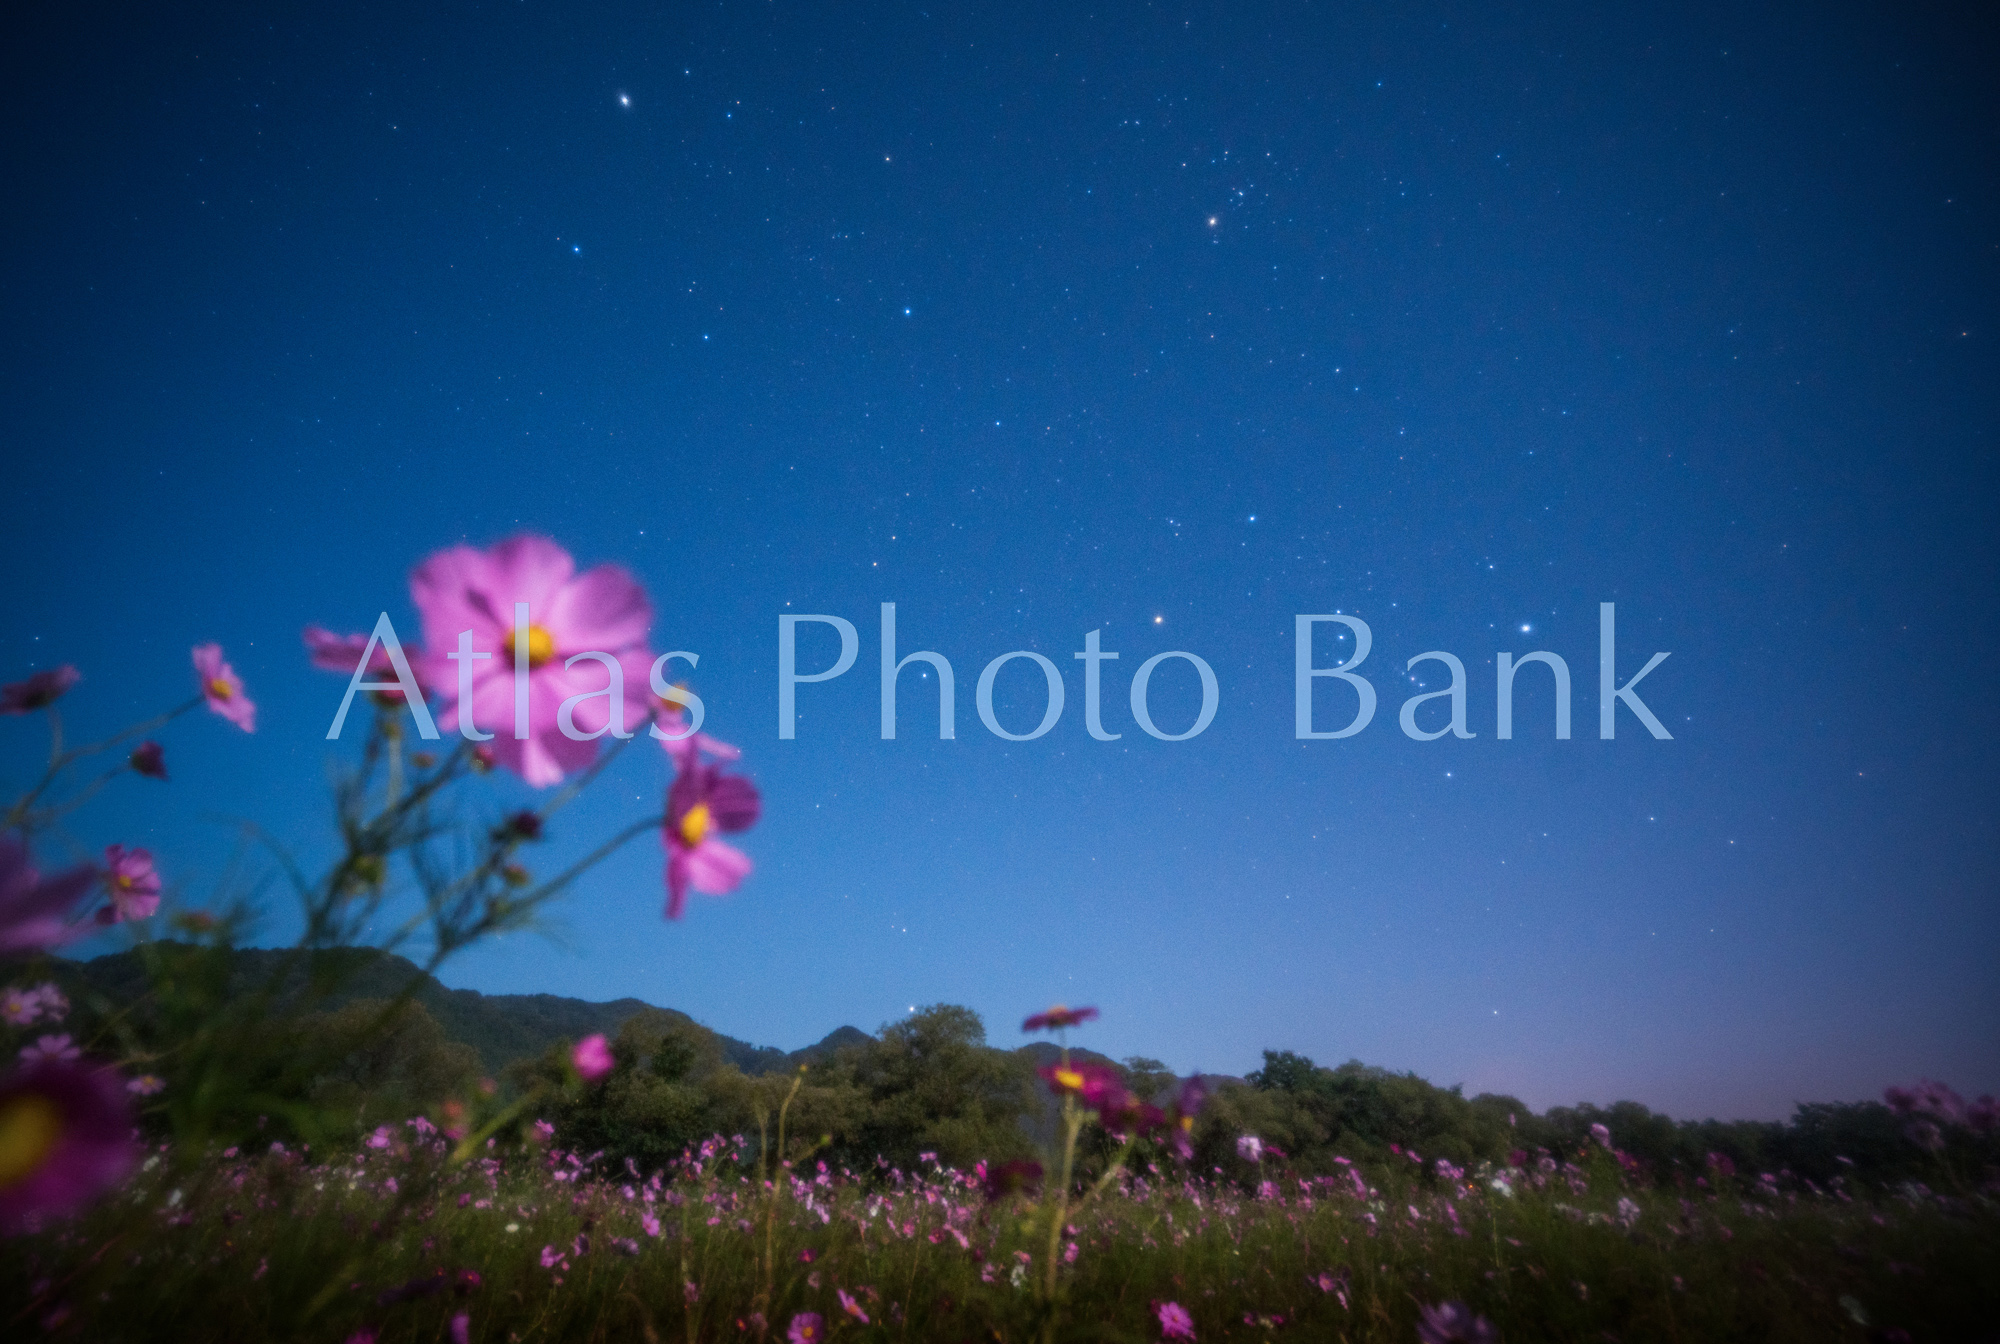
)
(51, 1047)
(701, 802)
(592, 1058)
(806, 1328)
(1175, 1323)
(1454, 1323)
(1092, 1084)
(38, 691)
(1058, 1017)
(222, 688)
(133, 883)
(1019, 1176)
(601, 611)
(65, 1137)
(34, 912)
(148, 759)
(342, 653)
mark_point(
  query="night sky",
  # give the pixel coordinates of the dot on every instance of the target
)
(1169, 321)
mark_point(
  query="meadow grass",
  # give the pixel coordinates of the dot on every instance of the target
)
(395, 1242)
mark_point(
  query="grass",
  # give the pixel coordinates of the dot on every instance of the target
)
(541, 1245)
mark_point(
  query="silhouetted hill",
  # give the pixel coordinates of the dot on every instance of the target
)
(501, 1027)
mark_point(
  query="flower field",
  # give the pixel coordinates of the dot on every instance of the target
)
(394, 1241)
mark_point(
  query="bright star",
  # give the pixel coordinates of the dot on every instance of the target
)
(624, 100)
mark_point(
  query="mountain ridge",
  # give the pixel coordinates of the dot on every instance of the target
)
(503, 1028)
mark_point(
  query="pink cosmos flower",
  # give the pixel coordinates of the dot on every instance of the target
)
(1095, 1085)
(1601, 1136)
(1249, 1147)
(222, 688)
(592, 1058)
(145, 1085)
(806, 1328)
(1175, 1323)
(38, 691)
(1454, 1323)
(461, 1328)
(69, 1138)
(1058, 1017)
(702, 802)
(20, 1007)
(1018, 1176)
(148, 759)
(33, 912)
(342, 653)
(133, 882)
(24, 1007)
(51, 1047)
(1181, 1119)
(673, 721)
(850, 1306)
(600, 611)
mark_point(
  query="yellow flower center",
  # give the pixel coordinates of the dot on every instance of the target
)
(694, 824)
(123, 882)
(1070, 1079)
(219, 688)
(30, 1124)
(541, 645)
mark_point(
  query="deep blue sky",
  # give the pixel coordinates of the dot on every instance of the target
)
(1170, 321)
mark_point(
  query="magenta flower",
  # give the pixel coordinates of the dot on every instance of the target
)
(461, 1328)
(1021, 1175)
(1058, 1017)
(850, 1306)
(148, 759)
(1454, 1323)
(592, 1058)
(1928, 1097)
(1181, 1120)
(1250, 1148)
(133, 882)
(600, 611)
(222, 688)
(673, 721)
(51, 1047)
(67, 1138)
(38, 691)
(1095, 1085)
(806, 1328)
(342, 653)
(702, 802)
(1175, 1323)
(146, 1085)
(34, 912)
(20, 1007)
(55, 1005)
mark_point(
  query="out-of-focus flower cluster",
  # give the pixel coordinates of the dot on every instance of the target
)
(529, 661)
